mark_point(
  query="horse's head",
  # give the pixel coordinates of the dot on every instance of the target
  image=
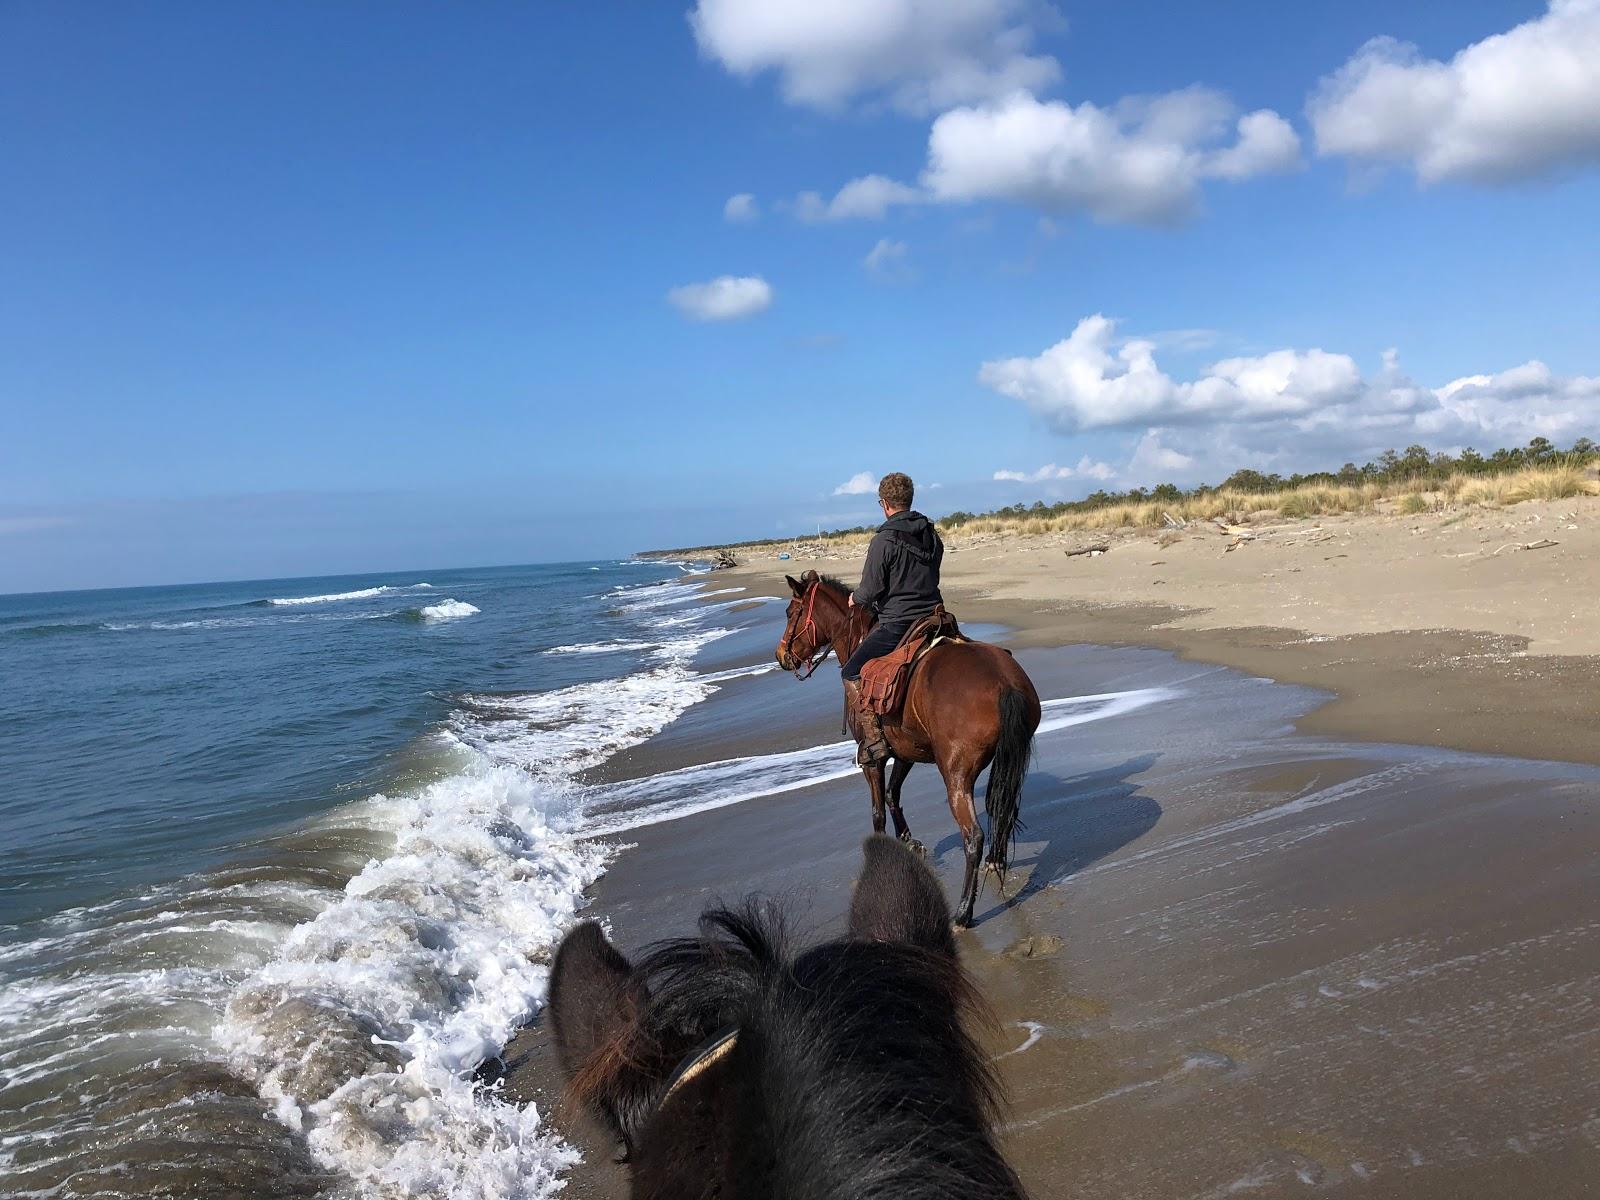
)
(803, 638)
(725, 1065)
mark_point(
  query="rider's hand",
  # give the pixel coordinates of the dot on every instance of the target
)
(852, 603)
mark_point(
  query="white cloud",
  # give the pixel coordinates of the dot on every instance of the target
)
(725, 298)
(862, 483)
(1153, 460)
(1267, 145)
(1284, 410)
(741, 209)
(1514, 105)
(1087, 468)
(918, 55)
(1092, 379)
(868, 198)
(1140, 161)
(889, 260)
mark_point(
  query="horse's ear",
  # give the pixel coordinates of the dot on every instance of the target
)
(809, 578)
(898, 899)
(593, 999)
(795, 585)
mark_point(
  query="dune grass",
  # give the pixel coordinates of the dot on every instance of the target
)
(1559, 481)
(1407, 497)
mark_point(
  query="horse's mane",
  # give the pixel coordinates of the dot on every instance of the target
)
(853, 1060)
(837, 584)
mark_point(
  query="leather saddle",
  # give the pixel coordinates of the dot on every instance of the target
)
(885, 680)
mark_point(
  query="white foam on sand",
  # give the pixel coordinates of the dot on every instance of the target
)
(673, 795)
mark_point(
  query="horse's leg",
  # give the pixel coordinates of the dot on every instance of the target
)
(874, 776)
(958, 786)
(897, 777)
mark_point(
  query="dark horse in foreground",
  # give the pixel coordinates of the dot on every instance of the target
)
(729, 1067)
(968, 704)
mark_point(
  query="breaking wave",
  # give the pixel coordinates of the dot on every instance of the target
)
(361, 594)
(445, 610)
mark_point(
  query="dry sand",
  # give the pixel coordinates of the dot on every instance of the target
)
(1434, 629)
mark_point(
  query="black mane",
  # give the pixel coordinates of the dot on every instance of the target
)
(853, 1073)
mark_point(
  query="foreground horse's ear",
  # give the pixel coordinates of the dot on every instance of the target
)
(898, 899)
(592, 998)
(795, 585)
(809, 578)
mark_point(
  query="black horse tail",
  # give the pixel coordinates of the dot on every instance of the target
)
(1002, 798)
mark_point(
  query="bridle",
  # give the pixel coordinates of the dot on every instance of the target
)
(701, 1059)
(806, 669)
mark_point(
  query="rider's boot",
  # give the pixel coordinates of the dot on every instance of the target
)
(872, 748)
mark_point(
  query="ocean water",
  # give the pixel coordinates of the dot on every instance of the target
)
(300, 849)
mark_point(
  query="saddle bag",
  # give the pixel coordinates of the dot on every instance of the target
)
(885, 680)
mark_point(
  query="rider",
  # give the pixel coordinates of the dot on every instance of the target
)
(901, 581)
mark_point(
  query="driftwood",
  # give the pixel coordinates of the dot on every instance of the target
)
(1100, 549)
(1541, 544)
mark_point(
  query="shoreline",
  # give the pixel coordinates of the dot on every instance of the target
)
(1220, 932)
(1422, 633)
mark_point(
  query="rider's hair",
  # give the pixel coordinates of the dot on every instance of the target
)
(895, 489)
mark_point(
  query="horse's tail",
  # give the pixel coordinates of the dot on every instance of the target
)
(1002, 798)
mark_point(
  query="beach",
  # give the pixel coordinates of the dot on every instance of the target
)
(1260, 936)
(1240, 951)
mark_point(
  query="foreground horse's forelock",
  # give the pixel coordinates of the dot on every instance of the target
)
(846, 1069)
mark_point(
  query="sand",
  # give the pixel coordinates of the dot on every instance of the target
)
(1239, 955)
(1435, 629)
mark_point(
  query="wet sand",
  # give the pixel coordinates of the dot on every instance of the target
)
(1435, 629)
(1257, 959)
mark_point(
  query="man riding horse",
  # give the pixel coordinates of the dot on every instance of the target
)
(901, 582)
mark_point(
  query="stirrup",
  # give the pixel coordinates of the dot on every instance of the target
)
(873, 751)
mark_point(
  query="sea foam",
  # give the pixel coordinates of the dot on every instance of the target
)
(446, 610)
(361, 594)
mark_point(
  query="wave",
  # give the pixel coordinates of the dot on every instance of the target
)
(616, 646)
(239, 622)
(64, 628)
(445, 610)
(365, 1029)
(359, 984)
(643, 599)
(361, 594)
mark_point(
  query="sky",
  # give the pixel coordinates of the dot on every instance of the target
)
(294, 288)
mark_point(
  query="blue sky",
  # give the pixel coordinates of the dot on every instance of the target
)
(295, 289)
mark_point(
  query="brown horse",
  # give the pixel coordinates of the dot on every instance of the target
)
(968, 704)
(733, 1065)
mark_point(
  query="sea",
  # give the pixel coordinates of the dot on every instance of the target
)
(282, 863)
